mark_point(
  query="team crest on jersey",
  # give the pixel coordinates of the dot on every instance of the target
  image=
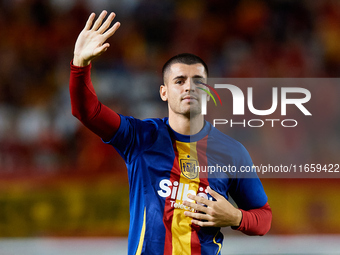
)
(188, 168)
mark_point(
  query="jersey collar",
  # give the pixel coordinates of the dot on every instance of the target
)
(188, 138)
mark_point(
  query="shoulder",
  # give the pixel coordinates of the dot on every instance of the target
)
(138, 123)
(135, 136)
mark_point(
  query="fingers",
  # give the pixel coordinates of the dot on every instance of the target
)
(102, 28)
(202, 223)
(201, 200)
(112, 30)
(98, 51)
(197, 207)
(99, 20)
(89, 21)
(198, 216)
(202, 220)
(107, 23)
(208, 212)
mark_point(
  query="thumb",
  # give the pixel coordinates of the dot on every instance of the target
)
(101, 49)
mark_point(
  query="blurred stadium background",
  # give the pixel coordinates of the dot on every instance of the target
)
(59, 183)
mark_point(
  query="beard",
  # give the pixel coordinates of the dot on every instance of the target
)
(189, 110)
(192, 112)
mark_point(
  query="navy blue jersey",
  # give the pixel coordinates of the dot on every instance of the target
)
(164, 167)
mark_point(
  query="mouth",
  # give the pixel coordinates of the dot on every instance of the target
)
(189, 98)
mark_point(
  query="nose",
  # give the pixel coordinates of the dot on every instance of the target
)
(190, 85)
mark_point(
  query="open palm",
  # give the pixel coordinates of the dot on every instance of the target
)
(91, 41)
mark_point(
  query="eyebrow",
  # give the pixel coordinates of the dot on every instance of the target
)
(183, 77)
(179, 77)
(198, 76)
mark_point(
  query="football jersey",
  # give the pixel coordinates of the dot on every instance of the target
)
(163, 168)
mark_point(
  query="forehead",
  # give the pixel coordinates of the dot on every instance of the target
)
(180, 69)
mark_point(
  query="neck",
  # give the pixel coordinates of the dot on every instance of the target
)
(186, 125)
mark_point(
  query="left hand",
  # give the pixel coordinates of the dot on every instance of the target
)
(219, 213)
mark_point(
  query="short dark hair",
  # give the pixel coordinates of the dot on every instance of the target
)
(183, 58)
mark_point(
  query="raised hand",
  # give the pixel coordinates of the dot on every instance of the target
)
(91, 40)
(219, 213)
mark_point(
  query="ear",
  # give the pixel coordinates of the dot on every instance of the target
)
(163, 93)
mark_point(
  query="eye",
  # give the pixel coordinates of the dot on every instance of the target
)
(198, 81)
(179, 82)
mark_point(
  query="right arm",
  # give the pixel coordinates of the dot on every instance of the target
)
(85, 105)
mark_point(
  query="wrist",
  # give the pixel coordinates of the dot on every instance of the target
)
(238, 218)
(80, 62)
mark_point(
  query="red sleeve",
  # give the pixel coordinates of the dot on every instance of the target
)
(85, 105)
(256, 221)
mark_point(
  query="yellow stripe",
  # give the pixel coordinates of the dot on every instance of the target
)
(181, 225)
(142, 234)
(219, 245)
